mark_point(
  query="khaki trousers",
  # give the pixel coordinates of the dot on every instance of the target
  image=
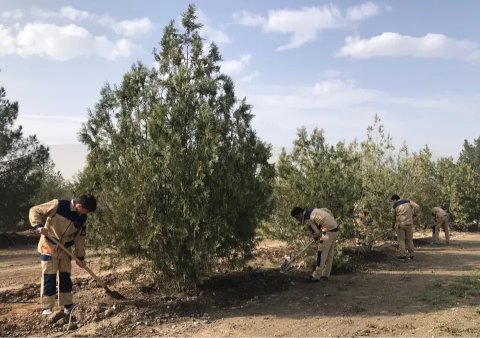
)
(405, 237)
(442, 223)
(327, 249)
(52, 267)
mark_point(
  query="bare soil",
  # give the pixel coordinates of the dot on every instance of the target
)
(433, 295)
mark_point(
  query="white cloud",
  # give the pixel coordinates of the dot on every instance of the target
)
(60, 42)
(232, 67)
(133, 27)
(7, 42)
(344, 110)
(305, 24)
(129, 28)
(391, 44)
(215, 35)
(211, 34)
(248, 19)
(362, 11)
(75, 14)
(41, 14)
(13, 14)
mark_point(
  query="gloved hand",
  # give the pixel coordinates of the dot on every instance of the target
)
(41, 231)
(317, 236)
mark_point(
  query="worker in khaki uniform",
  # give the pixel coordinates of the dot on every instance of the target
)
(324, 228)
(440, 217)
(66, 223)
(404, 214)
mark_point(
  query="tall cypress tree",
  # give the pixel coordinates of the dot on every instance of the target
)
(182, 177)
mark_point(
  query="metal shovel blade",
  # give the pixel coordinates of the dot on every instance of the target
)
(287, 264)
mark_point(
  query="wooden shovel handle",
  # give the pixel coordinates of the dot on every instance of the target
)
(303, 250)
(99, 281)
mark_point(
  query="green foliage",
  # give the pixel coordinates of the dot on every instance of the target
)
(350, 178)
(21, 162)
(315, 174)
(378, 179)
(53, 185)
(183, 180)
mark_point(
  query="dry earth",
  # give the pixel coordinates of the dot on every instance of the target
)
(436, 294)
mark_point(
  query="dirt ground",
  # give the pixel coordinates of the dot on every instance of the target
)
(436, 294)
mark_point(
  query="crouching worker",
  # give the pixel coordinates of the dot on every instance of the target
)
(324, 228)
(67, 225)
(440, 217)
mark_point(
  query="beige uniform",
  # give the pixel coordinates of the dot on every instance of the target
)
(440, 217)
(322, 223)
(404, 213)
(68, 227)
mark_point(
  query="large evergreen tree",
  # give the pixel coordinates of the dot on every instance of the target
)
(182, 177)
(21, 162)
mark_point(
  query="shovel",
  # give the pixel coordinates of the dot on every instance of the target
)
(287, 264)
(111, 293)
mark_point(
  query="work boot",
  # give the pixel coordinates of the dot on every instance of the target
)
(67, 309)
(310, 279)
(47, 311)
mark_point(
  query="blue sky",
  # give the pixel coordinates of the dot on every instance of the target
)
(332, 65)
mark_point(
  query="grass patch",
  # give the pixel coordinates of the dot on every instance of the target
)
(454, 291)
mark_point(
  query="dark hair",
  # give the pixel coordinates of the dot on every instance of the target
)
(88, 202)
(295, 211)
(394, 197)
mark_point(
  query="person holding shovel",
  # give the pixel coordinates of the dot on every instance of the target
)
(66, 224)
(324, 228)
(404, 214)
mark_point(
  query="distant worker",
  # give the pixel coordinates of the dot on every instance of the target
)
(324, 228)
(67, 225)
(440, 217)
(404, 214)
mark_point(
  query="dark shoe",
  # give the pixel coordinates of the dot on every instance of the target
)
(324, 278)
(310, 279)
(67, 309)
(411, 257)
(402, 257)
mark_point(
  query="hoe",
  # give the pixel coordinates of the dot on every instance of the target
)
(111, 293)
(287, 264)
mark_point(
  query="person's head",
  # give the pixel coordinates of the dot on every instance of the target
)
(394, 198)
(85, 204)
(362, 214)
(297, 213)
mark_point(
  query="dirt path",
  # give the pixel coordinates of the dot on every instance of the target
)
(436, 294)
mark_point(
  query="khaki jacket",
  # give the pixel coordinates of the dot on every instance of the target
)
(439, 214)
(321, 220)
(65, 225)
(405, 212)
